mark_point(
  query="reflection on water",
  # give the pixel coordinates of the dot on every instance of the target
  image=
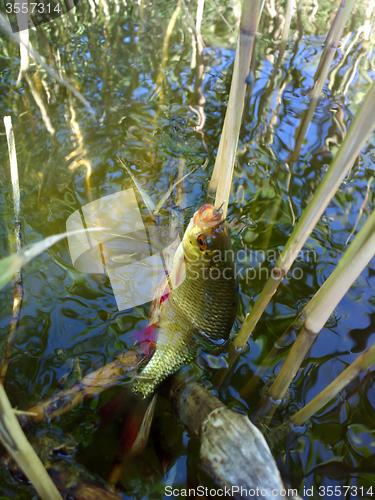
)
(70, 321)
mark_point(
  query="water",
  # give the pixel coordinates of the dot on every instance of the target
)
(144, 109)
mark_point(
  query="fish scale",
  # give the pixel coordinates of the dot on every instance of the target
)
(199, 312)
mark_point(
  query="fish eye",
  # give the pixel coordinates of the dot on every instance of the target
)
(202, 242)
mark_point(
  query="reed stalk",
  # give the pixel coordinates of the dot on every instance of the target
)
(39, 102)
(221, 180)
(18, 286)
(329, 38)
(288, 17)
(355, 259)
(361, 364)
(321, 76)
(6, 29)
(356, 138)
(161, 74)
(17, 445)
(22, 21)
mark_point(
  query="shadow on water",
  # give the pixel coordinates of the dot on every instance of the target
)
(149, 111)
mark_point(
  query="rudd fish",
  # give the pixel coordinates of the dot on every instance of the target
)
(196, 310)
(200, 305)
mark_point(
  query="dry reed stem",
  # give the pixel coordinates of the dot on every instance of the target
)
(17, 445)
(362, 363)
(356, 138)
(288, 17)
(39, 102)
(161, 74)
(221, 179)
(354, 261)
(6, 29)
(329, 38)
(321, 75)
(18, 286)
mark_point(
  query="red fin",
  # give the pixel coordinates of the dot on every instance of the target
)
(145, 339)
(137, 415)
(162, 294)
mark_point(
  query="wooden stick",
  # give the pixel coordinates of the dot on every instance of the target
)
(18, 286)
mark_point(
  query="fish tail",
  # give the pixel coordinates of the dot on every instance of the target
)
(137, 427)
(136, 413)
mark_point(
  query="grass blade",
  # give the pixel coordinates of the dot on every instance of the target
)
(10, 265)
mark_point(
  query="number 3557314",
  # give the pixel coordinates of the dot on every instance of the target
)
(33, 8)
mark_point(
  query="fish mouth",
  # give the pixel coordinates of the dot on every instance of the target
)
(209, 216)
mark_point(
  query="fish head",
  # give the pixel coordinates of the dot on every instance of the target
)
(207, 237)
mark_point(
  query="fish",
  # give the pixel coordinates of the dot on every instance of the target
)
(195, 309)
(199, 302)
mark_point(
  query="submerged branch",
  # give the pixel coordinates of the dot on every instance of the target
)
(93, 384)
(233, 451)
